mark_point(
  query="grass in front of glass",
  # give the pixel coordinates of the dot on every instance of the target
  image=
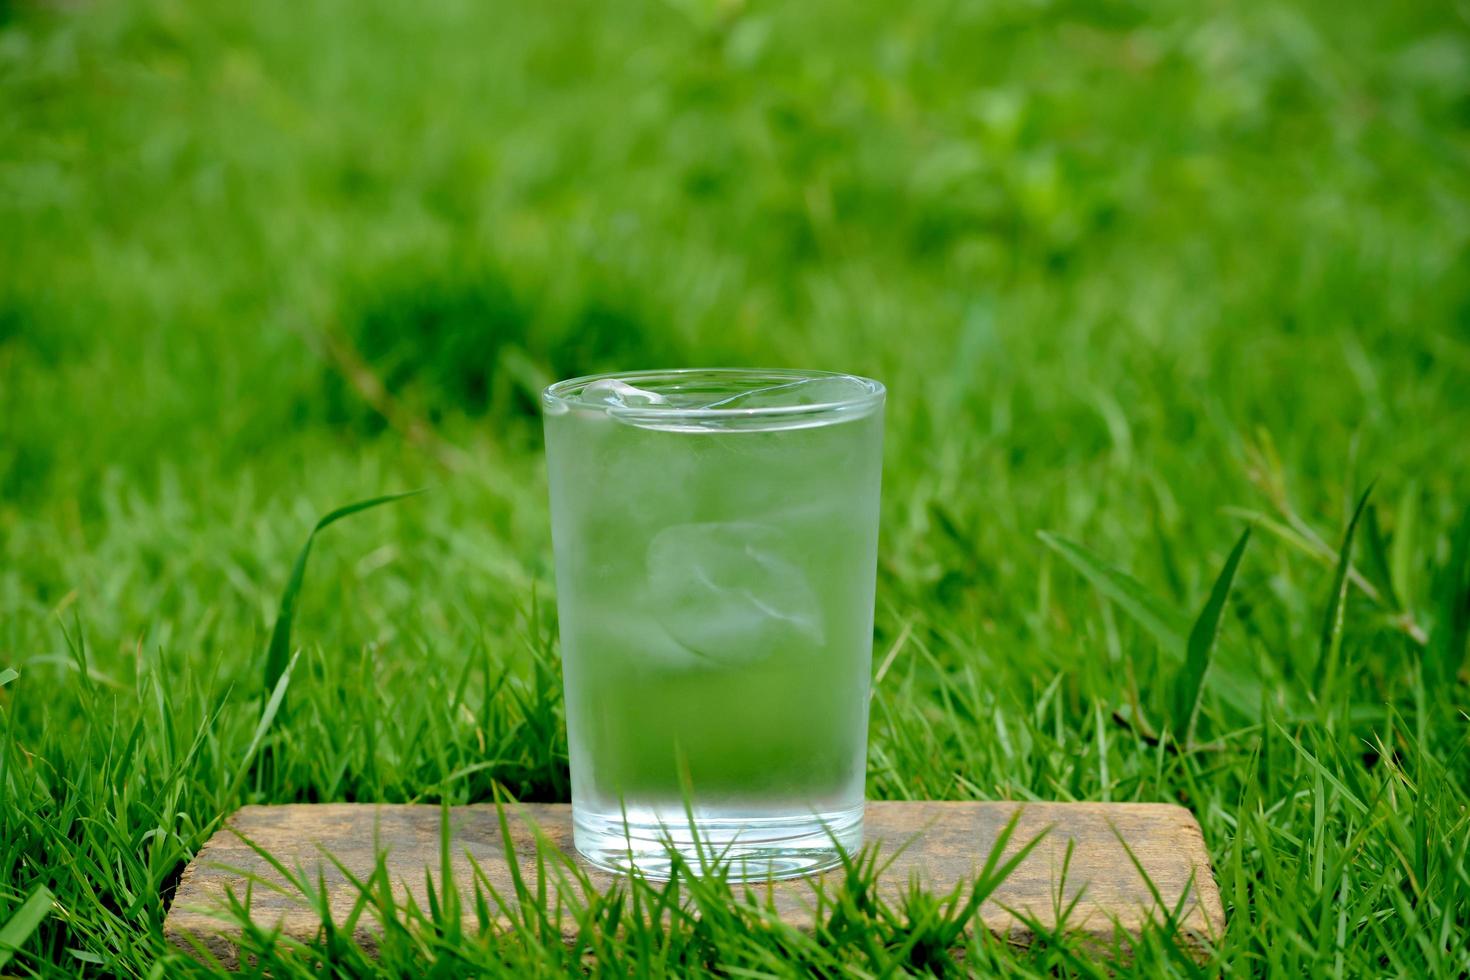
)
(696, 920)
(716, 537)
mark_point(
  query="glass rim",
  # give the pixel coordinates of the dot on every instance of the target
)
(869, 393)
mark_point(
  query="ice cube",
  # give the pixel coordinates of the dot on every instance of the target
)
(731, 592)
(619, 394)
(628, 631)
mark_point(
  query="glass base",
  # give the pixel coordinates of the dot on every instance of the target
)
(743, 848)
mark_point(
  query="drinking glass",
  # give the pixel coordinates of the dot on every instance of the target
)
(716, 539)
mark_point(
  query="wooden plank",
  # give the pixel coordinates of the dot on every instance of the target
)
(943, 844)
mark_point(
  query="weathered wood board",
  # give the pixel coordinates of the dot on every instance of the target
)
(943, 844)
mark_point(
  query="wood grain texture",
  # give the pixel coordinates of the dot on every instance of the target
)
(942, 844)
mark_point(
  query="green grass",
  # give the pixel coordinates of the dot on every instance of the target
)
(1137, 276)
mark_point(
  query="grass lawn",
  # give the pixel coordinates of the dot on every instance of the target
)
(1137, 276)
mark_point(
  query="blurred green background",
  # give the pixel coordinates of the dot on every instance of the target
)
(1124, 266)
(1094, 247)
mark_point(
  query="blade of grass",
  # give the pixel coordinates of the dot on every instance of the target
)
(1321, 769)
(1164, 622)
(1331, 643)
(1189, 685)
(1376, 556)
(7, 675)
(279, 650)
(1452, 626)
(1404, 546)
(267, 717)
(26, 920)
(1153, 614)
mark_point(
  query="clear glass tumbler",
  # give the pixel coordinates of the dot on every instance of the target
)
(716, 539)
